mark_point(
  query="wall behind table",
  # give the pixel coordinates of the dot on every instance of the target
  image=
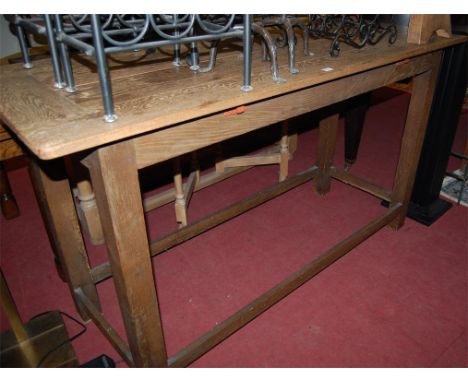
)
(8, 42)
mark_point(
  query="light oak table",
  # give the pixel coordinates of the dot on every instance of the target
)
(165, 112)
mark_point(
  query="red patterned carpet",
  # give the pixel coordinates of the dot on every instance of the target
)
(398, 300)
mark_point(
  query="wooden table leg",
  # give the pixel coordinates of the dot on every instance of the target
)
(354, 116)
(284, 152)
(326, 151)
(413, 137)
(10, 209)
(58, 211)
(114, 176)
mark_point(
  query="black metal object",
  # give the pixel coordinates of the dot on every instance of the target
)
(354, 30)
(426, 206)
(103, 361)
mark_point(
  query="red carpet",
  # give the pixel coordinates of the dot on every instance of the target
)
(398, 300)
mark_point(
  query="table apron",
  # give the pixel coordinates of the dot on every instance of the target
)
(187, 137)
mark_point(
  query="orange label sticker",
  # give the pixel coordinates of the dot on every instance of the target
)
(407, 61)
(236, 111)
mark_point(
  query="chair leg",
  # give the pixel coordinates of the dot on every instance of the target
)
(88, 212)
(180, 208)
(184, 192)
(9, 207)
(284, 152)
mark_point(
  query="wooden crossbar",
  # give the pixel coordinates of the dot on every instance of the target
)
(103, 325)
(281, 290)
(102, 271)
(360, 183)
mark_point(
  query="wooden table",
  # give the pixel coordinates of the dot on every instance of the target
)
(165, 112)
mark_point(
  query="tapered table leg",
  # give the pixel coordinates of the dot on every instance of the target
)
(58, 211)
(354, 116)
(413, 137)
(114, 176)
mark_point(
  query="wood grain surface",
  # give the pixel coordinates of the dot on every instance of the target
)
(153, 94)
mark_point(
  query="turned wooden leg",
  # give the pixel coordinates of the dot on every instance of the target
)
(179, 205)
(58, 211)
(88, 212)
(85, 201)
(413, 137)
(183, 193)
(114, 175)
(284, 152)
(328, 129)
(10, 209)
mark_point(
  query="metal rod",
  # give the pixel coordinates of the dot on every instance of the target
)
(183, 40)
(23, 47)
(65, 54)
(77, 44)
(31, 26)
(101, 62)
(76, 40)
(176, 60)
(53, 53)
(291, 45)
(247, 43)
(119, 32)
(212, 59)
(226, 328)
(270, 44)
(193, 57)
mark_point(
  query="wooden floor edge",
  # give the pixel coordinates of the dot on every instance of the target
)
(223, 330)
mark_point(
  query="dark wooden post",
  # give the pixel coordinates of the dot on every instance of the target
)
(426, 206)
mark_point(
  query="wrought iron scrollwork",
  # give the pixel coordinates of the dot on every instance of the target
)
(354, 30)
(103, 35)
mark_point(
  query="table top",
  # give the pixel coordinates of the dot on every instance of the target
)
(150, 93)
